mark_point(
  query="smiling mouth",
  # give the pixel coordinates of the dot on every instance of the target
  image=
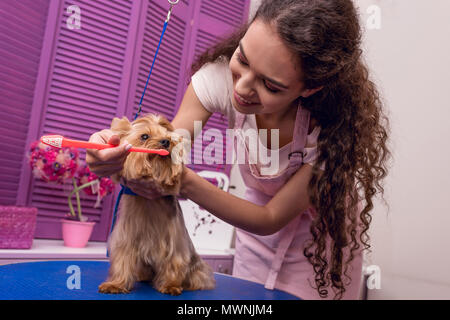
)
(241, 101)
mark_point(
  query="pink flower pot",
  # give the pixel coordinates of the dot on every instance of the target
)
(76, 234)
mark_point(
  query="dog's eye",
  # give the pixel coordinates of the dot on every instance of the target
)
(145, 137)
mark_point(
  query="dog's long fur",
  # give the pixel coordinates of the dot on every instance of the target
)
(150, 241)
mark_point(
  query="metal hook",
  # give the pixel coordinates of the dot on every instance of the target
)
(172, 3)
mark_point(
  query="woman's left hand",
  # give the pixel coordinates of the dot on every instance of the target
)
(150, 190)
(144, 188)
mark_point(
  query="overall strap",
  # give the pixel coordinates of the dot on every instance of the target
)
(239, 121)
(300, 135)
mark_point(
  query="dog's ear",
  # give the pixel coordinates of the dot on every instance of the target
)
(163, 122)
(121, 126)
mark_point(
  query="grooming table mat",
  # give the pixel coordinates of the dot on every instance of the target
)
(79, 280)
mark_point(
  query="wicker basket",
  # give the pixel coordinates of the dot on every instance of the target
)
(17, 226)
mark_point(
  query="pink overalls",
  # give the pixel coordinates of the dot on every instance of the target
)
(277, 261)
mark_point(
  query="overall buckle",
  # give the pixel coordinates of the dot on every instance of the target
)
(303, 155)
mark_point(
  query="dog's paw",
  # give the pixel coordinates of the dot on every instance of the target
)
(172, 290)
(110, 287)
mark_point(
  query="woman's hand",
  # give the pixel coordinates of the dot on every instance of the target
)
(143, 188)
(148, 189)
(107, 161)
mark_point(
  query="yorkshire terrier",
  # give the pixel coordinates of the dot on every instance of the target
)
(150, 241)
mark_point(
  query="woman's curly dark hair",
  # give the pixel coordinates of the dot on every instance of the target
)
(326, 36)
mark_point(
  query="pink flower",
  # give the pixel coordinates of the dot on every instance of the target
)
(53, 165)
(58, 165)
(106, 186)
(84, 175)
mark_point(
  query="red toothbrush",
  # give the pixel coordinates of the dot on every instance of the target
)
(58, 141)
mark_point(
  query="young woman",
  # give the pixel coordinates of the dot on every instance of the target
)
(296, 67)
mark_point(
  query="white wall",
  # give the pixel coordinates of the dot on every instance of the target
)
(253, 7)
(409, 57)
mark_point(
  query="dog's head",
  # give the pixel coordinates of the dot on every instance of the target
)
(152, 132)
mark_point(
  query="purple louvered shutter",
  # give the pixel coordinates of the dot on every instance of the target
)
(83, 78)
(210, 25)
(86, 86)
(22, 30)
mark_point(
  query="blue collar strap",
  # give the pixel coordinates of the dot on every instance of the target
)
(128, 191)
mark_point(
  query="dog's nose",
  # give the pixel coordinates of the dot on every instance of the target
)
(165, 143)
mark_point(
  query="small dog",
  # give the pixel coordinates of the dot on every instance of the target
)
(150, 241)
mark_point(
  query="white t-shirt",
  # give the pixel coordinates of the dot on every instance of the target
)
(213, 85)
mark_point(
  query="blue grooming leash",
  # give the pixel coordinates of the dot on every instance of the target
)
(125, 190)
(172, 3)
(151, 69)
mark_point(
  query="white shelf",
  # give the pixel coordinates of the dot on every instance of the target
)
(55, 249)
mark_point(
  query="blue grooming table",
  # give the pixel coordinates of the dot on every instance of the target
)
(50, 280)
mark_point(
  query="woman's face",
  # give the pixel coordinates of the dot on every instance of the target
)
(266, 75)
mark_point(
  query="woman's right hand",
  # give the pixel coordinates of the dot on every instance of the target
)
(107, 161)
